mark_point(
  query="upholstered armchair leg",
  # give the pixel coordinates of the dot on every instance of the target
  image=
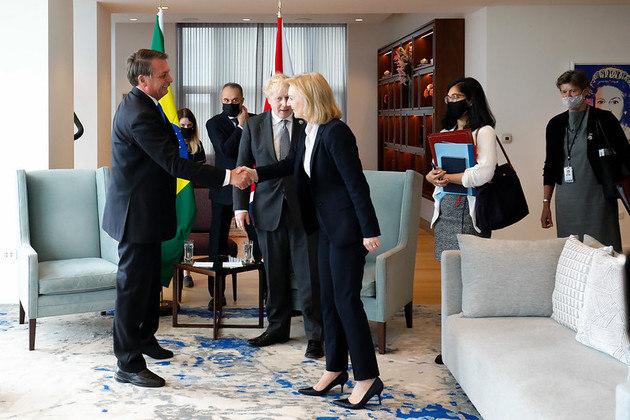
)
(22, 313)
(103, 313)
(31, 334)
(409, 314)
(234, 286)
(380, 327)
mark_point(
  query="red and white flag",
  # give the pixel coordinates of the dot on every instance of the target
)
(282, 61)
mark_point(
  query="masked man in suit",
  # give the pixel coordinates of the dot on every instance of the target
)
(225, 130)
(285, 245)
(140, 210)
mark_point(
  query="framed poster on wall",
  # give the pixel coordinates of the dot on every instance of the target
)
(610, 90)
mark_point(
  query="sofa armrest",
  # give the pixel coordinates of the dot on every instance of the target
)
(622, 405)
(28, 279)
(451, 284)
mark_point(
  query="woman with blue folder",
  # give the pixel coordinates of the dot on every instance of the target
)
(466, 107)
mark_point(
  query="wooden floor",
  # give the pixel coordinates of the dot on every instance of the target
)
(426, 289)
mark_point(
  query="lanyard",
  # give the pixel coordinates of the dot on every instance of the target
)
(577, 130)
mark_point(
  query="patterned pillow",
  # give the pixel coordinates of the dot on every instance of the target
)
(602, 323)
(568, 294)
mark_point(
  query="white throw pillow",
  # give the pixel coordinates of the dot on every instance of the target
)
(602, 323)
(594, 243)
(568, 294)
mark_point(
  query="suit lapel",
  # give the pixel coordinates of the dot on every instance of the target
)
(266, 135)
(318, 138)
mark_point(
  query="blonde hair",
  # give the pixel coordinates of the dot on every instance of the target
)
(319, 103)
(194, 144)
(275, 83)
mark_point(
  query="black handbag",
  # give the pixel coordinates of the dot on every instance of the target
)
(500, 202)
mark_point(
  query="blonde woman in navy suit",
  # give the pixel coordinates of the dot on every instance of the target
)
(334, 198)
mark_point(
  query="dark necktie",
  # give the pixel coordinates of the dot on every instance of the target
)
(285, 140)
(162, 112)
(235, 121)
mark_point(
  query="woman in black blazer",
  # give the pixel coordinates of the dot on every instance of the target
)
(575, 140)
(335, 199)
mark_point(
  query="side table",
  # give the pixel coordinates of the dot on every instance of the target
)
(220, 274)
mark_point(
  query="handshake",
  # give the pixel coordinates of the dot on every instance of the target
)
(242, 177)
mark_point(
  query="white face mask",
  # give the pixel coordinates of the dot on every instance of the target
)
(572, 102)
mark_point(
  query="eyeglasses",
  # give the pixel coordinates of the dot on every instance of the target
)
(454, 97)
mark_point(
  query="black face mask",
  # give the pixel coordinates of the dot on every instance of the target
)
(187, 132)
(231, 110)
(457, 109)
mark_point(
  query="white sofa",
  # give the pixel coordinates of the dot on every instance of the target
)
(525, 367)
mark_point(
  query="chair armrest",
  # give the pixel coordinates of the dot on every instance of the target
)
(28, 279)
(451, 284)
(392, 268)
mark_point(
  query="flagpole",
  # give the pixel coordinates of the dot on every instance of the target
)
(279, 8)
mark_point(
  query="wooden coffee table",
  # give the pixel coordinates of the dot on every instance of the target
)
(220, 273)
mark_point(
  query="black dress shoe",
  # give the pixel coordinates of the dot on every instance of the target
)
(314, 349)
(266, 339)
(211, 303)
(188, 281)
(341, 379)
(375, 389)
(144, 378)
(438, 359)
(157, 352)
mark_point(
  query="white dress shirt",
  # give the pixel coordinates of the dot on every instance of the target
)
(311, 135)
(276, 124)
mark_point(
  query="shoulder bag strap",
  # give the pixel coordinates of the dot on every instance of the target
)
(503, 150)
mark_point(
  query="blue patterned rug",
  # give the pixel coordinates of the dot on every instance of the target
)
(70, 373)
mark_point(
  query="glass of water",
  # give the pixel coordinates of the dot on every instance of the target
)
(189, 247)
(248, 252)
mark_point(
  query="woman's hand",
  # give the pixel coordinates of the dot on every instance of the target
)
(438, 177)
(545, 218)
(371, 243)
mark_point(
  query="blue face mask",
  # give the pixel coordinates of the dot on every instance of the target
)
(572, 102)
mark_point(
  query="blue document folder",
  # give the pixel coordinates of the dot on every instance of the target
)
(455, 158)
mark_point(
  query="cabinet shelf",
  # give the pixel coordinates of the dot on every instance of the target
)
(407, 113)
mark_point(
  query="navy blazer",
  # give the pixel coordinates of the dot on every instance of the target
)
(336, 198)
(225, 138)
(601, 127)
(145, 164)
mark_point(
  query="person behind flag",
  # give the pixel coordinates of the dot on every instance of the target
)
(285, 245)
(140, 210)
(225, 130)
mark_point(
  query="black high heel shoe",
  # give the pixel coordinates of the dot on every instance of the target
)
(375, 389)
(341, 379)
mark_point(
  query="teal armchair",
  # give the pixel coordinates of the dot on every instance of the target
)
(389, 272)
(66, 263)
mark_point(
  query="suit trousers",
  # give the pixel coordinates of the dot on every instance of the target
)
(137, 303)
(346, 326)
(219, 234)
(287, 249)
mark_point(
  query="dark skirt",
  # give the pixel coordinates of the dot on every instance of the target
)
(454, 218)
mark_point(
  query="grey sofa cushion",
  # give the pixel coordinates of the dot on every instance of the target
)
(368, 287)
(76, 276)
(508, 277)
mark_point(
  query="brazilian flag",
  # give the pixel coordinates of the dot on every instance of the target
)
(185, 200)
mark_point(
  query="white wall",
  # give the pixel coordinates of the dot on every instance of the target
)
(38, 132)
(527, 48)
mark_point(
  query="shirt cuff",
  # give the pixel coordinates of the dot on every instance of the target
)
(228, 177)
(239, 211)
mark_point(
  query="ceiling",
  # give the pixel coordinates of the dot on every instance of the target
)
(308, 11)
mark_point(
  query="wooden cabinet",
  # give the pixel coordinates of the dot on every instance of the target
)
(410, 109)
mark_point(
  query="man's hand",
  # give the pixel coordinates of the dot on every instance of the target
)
(241, 178)
(242, 218)
(371, 243)
(242, 116)
(252, 172)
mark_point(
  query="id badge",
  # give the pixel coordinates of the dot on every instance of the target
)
(568, 174)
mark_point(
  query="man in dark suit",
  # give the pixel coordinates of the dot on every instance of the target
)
(225, 130)
(285, 245)
(140, 210)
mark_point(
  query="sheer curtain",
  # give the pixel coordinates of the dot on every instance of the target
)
(210, 55)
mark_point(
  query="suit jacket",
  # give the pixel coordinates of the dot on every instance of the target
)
(607, 131)
(225, 138)
(140, 202)
(336, 198)
(257, 148)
